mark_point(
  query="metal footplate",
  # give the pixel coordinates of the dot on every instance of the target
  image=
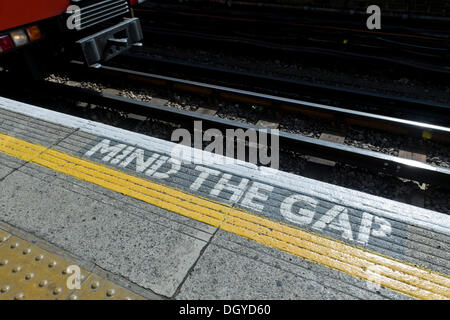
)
(110, 42)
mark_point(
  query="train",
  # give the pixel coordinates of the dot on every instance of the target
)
(34, 31)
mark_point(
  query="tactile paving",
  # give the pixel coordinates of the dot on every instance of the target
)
(96, 288)
(3, 237)
(31, 273)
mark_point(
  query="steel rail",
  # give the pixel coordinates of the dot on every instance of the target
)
(329, 11)
(149, 10)
(442, 71)
(289, 87)
(396, 166)
(350, 117)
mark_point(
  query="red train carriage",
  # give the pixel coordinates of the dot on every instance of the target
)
(98, 29)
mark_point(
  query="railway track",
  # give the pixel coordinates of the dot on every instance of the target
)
(282, 19)
(345, 98)
(251, 45)
(413, 17)
(374, 161)
(410, 48)
(288, 105)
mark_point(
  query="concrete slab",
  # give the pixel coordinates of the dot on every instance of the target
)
(8, 164)
(347, 223)
(236, 268)
(154, 256)
(185, 177)
(95, 193)
(370, 222)
(31, 129)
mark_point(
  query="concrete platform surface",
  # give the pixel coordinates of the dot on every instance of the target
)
(163, 221)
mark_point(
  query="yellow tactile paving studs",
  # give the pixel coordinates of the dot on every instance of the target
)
(28, 272)
(96, 288)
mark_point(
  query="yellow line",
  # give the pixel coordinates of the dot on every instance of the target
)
(392, 273)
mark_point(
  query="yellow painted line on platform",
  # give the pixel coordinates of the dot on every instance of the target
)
(392, 273)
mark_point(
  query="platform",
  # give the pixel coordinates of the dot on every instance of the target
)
(149, 219)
